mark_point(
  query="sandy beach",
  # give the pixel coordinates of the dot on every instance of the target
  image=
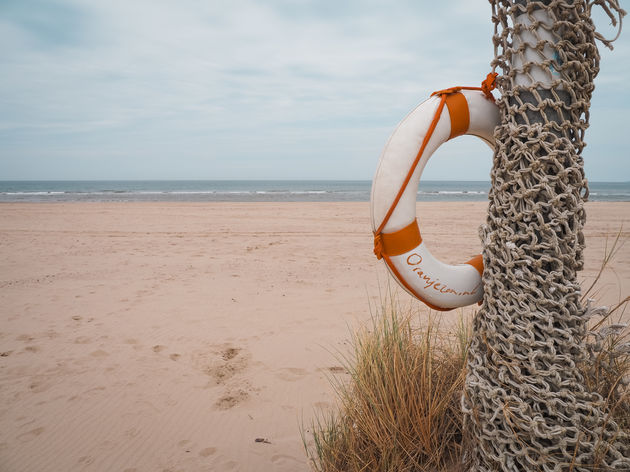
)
(199, 337)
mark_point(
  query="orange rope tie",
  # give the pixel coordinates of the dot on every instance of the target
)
(489, 84)
(378, 246)
(486, 87)
(436, 118)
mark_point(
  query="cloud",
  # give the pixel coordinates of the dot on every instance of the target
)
(240, 89)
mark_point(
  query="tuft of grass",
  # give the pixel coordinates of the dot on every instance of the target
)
(400, 411)
(607, 369)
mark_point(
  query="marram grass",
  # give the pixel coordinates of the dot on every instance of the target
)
(400, 410)
(607, 369)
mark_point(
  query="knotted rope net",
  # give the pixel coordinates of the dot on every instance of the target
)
(525, 403)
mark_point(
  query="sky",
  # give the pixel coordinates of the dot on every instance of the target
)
(253, 89)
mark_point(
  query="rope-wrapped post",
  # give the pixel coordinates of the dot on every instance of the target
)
(525, 403)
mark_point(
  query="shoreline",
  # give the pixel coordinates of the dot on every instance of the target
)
(206, 191)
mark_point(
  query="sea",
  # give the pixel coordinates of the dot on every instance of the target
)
(255, 191)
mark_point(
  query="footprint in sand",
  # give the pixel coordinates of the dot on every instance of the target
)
(86, 460)
(337, 370)
(32, 434)
(285, 460)
(223, 364)
(158, 348)
(95, 390)
(291, 374)
(174, 356)
(27, 338)
(132, 432)
(39, 385)
(222, 373)
(207, 452)
(231, 399)
(230, 353)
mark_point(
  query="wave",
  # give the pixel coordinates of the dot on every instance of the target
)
(201, 191)
(451, 192)
(33, 193)
(185, 192)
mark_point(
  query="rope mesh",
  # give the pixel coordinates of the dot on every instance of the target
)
(525, 403)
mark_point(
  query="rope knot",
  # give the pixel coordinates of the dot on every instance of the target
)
(489, 84)
(446, 91)
(378, 246)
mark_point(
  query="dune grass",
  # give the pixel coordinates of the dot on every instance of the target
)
(400, 408)
(607, 369)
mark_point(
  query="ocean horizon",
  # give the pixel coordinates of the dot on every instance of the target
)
(254, 190)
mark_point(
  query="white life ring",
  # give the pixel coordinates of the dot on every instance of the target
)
(447, 114)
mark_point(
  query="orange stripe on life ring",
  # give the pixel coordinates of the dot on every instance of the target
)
(458, 111)
(477, 263)
(401, 241)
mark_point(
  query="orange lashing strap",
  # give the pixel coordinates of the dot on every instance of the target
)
(399, 242)
(457, 125)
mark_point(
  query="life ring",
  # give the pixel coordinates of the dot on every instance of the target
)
(397, 240)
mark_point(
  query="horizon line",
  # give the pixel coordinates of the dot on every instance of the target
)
(261, 180)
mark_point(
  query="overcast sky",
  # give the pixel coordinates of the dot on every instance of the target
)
(252, 89)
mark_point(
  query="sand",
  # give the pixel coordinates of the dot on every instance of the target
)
(168, 337)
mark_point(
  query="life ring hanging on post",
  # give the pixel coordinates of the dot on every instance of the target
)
(397, 239)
